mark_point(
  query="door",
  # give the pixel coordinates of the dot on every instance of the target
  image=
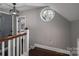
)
(21, 24)
(6, 25)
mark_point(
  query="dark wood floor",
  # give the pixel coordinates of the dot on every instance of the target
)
(43, 52)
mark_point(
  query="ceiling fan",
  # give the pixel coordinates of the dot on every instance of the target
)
(14, 11)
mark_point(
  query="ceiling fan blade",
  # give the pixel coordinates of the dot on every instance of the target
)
(9, 5)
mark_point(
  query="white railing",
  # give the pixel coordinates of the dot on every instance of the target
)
(17, 45)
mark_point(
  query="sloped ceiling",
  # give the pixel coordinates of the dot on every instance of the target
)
(68, 10)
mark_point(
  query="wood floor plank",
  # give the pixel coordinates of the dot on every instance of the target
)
(43, 52)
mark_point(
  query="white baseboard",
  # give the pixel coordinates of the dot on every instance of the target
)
(32, 47)
(52, 48)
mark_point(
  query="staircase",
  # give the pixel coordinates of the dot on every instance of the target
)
(15, 45)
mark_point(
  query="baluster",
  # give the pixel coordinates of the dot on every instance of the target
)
(24, 47)
(3, 48)
(9, 47)
(18, 46)
(27, 41)
(14, 47)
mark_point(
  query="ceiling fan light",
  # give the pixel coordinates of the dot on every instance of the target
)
(14, 11)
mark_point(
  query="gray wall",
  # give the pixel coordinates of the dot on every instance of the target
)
(75, 35)
(55, 33)
(75, 32)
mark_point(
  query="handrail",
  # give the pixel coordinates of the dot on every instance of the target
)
(11, 37)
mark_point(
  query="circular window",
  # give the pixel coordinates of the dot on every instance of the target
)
(47, 14)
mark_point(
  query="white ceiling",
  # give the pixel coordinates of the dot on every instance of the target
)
(68, 10)
(19, 6)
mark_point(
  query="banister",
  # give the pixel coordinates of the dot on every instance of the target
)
(11, 37)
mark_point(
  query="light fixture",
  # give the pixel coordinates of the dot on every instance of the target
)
(14, 11)
(47, 14)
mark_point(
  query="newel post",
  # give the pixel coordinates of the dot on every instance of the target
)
(27, 41)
